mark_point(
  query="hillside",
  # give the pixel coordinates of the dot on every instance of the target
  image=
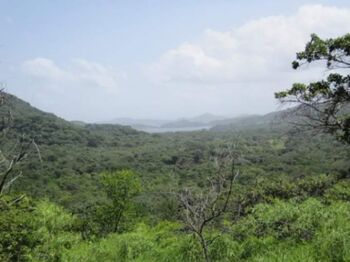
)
(72, 153)
(67, 149)
(283, 174)
(48, 129)
(183, 123)
(150, 135)
(137, 122)
(204, 120)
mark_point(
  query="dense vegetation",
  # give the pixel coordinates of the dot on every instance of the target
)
(291, 200)
(89, 192)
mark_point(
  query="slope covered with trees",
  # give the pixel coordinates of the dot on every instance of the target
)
(290, 200)
(252, 190)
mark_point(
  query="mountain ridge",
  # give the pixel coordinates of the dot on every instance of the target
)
(23, 112)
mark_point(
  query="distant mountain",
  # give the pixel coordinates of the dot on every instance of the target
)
(78, 123)
(278, 119)
(163, 125)
(137, 123)
(33, 121)
(182, 123)
(206, 118)
(224, 123)
(289, 118)
(204, 121)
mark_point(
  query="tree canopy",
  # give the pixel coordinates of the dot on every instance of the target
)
(325, 104)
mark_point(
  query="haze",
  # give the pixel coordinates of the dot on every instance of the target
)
(100, 60)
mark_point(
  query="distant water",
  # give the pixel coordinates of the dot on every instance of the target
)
(177, 129)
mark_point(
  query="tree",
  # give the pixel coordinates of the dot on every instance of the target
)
(203, 207)
(16, 230)
(120, 187)
(324, 105)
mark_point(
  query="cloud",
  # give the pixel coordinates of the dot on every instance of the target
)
(224, 72)
(260, 50)
(79, 73)
(79, 89)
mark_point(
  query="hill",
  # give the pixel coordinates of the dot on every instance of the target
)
(207, 118)
(48, 129)
(183, 123)
(161, 126)
(292, 193)
(250, 122)
(74, 154)
(133, 122)
(204, 120)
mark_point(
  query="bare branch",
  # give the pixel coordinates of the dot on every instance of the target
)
(210, 203)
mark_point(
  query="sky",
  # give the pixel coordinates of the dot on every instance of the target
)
(100, 60)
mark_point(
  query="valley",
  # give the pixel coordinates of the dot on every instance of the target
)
(175, 131)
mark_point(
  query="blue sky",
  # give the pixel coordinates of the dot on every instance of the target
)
(96, 60)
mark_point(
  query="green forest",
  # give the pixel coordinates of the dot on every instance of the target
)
(259, 189)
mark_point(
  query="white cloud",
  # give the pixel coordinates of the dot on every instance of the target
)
(260, 50)
(224, 72)
(186, 62)
(81, 89)
(79, 73)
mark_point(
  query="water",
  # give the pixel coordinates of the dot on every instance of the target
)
(172, 129)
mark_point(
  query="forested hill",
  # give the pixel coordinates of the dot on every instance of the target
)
(292, 193)
(66, 150)
(274, 120)
(48, 129)
(73, 154)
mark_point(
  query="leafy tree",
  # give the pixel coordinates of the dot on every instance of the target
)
(54, 230)
(325, 104)
(120, 187)
(16, 230)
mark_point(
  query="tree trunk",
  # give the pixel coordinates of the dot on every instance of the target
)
(204, 248)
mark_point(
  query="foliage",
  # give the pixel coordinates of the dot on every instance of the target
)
(34, 231)
(54, 229)
(16, 238)
(324, 103)
(161, 243)
(121, 187)
(85, 204)
(117, 212)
